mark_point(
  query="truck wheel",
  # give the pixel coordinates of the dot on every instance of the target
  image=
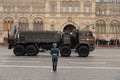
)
(83, 51)
(65, 51)
(19, 50)
(31, 50)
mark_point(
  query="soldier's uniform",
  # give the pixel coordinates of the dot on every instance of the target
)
(55, 53)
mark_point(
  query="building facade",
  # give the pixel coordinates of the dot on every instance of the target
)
(62, 15)
(107, 19)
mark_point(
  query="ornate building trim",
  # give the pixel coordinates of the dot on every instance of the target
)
(68, 23)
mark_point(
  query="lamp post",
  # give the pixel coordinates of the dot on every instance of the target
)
(90, 25)
(116, 35)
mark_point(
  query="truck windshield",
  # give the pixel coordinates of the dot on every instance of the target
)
(88, 34)
(85, 34)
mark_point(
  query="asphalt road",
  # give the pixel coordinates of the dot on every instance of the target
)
(101, 64)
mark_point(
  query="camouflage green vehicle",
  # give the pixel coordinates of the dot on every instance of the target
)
(31, 42)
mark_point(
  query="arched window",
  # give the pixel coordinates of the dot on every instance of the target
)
(100, 26)
(114, 27)
(23, 24)
(38, 24)
(8, 22)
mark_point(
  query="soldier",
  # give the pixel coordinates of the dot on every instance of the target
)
(55, 53)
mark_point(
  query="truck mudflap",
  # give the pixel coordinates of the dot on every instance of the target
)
(11, 44)
(92, 48)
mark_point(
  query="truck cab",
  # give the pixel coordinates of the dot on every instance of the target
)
(82, 41)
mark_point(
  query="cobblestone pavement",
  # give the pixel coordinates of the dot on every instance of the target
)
(102, 64)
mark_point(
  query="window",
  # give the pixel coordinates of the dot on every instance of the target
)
(76, 8)
(101, 26)
(97, 0)
(21, 9)
(70, 8)
(98, 12)
(8, 9)
(38, 9)
(41, 9)
(24, 9)
(87, 10)
(103, 12)
(23, 24)
(114, 27)
(38, 24)
(64, 9)
(53, 8)
(8, 23)
(35, 10)
(101, 0)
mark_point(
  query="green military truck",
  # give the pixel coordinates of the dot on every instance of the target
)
(31, 42)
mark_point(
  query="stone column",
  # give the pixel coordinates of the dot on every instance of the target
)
(47, 8)
(93, 5)
(58, 8)
(1, 8)
(30, 25)
(82, 6)
(1, 24)
(16, 9)
(30, 9)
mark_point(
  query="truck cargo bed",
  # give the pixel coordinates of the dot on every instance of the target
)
(40, 36)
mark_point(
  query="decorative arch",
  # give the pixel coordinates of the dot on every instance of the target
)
(34, 17)
(38, 24)
(101, 26)
(67, 25)
(7, 24)
(23, 24)
(114, 26)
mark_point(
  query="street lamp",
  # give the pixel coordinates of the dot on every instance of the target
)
(116, 35)
(90, 25)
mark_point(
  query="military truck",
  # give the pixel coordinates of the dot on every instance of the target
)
(31, 42)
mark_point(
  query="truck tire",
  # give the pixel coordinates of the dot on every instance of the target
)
(83, 51)
(19, 50)
(65, 51)
(31, 50)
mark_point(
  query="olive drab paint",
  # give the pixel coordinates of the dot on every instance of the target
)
(31, 42)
